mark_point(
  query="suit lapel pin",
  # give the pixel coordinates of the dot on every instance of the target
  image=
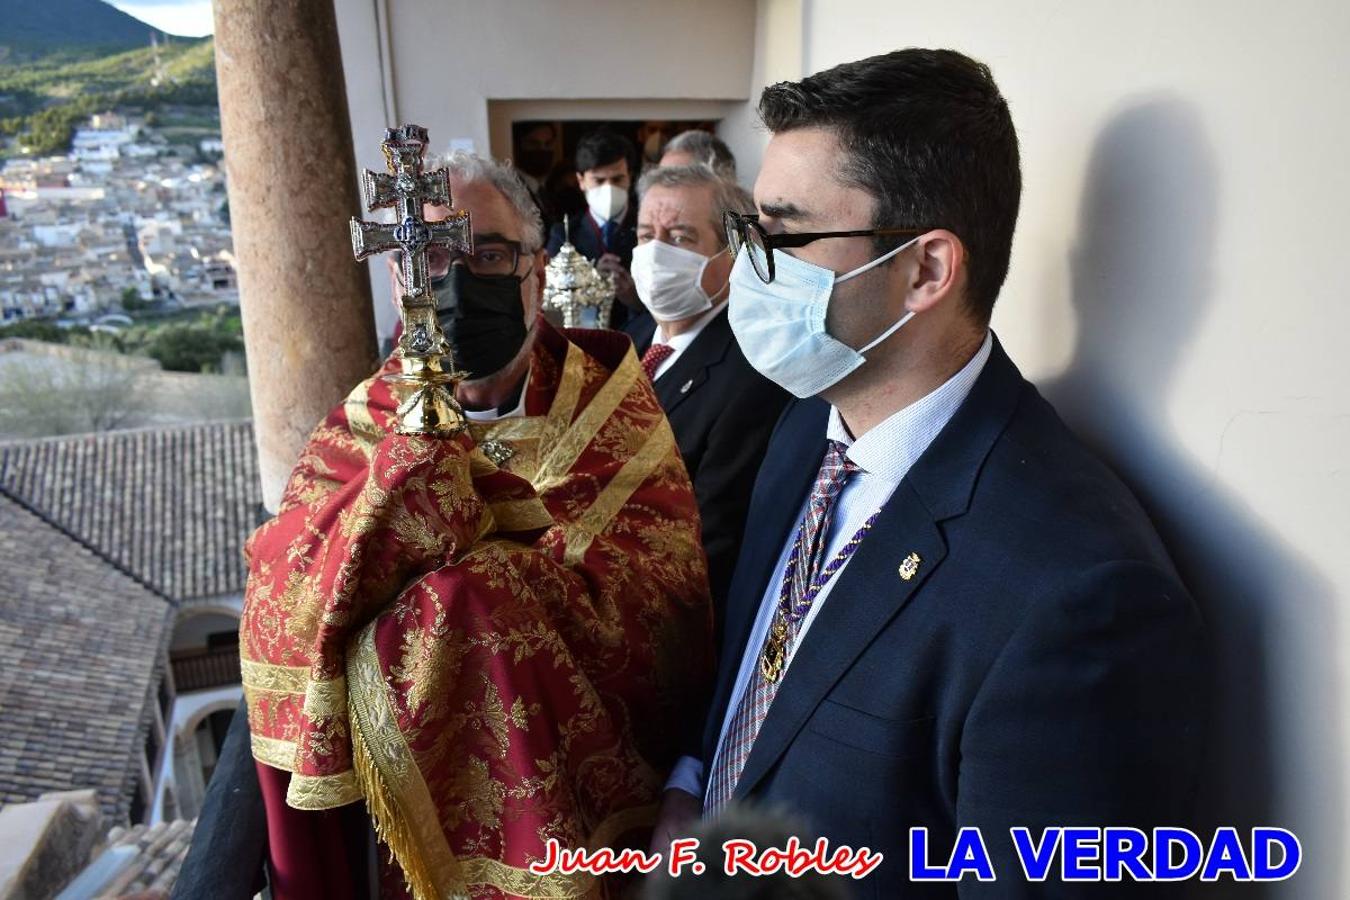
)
(910, 567)
(687, 385)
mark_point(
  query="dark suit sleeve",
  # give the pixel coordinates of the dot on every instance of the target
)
(726, 473)
(1092, 715)
(555, 240)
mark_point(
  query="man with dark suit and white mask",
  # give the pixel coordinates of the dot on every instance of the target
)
(603, 231)
(945, 612)
(721, 410)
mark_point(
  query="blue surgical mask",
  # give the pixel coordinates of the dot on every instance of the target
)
(781, 326)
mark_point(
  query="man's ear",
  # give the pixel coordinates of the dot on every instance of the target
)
(717, 275)
(938, 270)
(539, 278)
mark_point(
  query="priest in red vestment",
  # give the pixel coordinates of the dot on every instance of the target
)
(491, 640)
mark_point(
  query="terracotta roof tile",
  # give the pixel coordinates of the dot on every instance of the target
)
(160, 851)
(169, 506)
(81, 646)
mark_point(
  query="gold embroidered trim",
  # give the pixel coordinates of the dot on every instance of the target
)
(480, 465)
(317, 792)
(564, 407)
(396, 795)
(524, 883)
(565, 399)
(274, 752)
(516, 882)
(275, 679)
(325, 699)
(521, 515)
(520, 428)
(571, 444)
(579, 535)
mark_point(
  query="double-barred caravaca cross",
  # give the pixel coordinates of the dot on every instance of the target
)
(428, 373)
(407, 188)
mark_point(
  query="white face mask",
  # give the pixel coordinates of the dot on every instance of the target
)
(607, 202)
(781, 326)
(669, 280)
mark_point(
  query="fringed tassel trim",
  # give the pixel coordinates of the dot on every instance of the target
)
(391, 827)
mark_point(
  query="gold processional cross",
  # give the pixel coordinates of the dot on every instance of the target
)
(428, 373)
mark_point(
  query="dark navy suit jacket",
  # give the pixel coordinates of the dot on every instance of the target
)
(722, 412)
(1043, 666)
(586, 236)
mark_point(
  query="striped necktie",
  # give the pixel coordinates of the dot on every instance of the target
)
(803, 578)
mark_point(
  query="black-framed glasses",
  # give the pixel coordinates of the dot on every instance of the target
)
(489, 259)
(744, 230)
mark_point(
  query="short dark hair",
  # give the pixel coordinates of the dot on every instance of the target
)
(926, 133)
(603, 147)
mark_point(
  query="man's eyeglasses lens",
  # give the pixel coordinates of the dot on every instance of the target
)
(732, 226)
(490, 259)
(744, 232)
(759, 254)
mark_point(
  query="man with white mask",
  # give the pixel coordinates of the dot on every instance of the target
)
(721, 409)
(604, 231)
(946, 614)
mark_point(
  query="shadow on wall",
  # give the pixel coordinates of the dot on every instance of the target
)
(1141, 285)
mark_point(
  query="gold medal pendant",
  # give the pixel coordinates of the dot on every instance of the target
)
(774, 655)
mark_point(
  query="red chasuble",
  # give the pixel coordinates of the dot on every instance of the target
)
(489, 656)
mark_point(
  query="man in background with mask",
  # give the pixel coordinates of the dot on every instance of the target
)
(605, 231)
(493, 638)
(946, 612)
(721, 409)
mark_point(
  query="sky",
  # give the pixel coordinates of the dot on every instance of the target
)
(190, 18)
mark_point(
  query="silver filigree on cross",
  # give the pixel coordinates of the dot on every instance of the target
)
(427, 363)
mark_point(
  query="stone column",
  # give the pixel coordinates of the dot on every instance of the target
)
(308, 323)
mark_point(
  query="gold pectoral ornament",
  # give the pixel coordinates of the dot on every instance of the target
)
(774, 655)
(426, 382)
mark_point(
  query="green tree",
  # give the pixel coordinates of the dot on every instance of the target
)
(131, 300)
(35, 330)
(191, 348)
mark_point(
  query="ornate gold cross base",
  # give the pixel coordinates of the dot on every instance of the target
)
(428, 405)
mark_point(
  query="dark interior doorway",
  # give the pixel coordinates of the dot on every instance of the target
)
(543, 150)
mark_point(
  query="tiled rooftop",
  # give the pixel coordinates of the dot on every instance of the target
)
(160, 850)
(169, 506)
(80, 643)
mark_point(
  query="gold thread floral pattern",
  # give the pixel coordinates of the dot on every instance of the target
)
(490, 656)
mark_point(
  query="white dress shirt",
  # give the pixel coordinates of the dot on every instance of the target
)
(680, 342)
(884, 455)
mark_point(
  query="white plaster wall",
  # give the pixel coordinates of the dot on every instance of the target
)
(188, 711)
(1176, 290)
(779, 55)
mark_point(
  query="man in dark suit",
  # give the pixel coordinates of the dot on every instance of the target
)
(720, 408)
(605, 232)
(946, 612)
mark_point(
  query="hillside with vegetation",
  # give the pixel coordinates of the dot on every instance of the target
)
(42, 100)
(71, 29)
